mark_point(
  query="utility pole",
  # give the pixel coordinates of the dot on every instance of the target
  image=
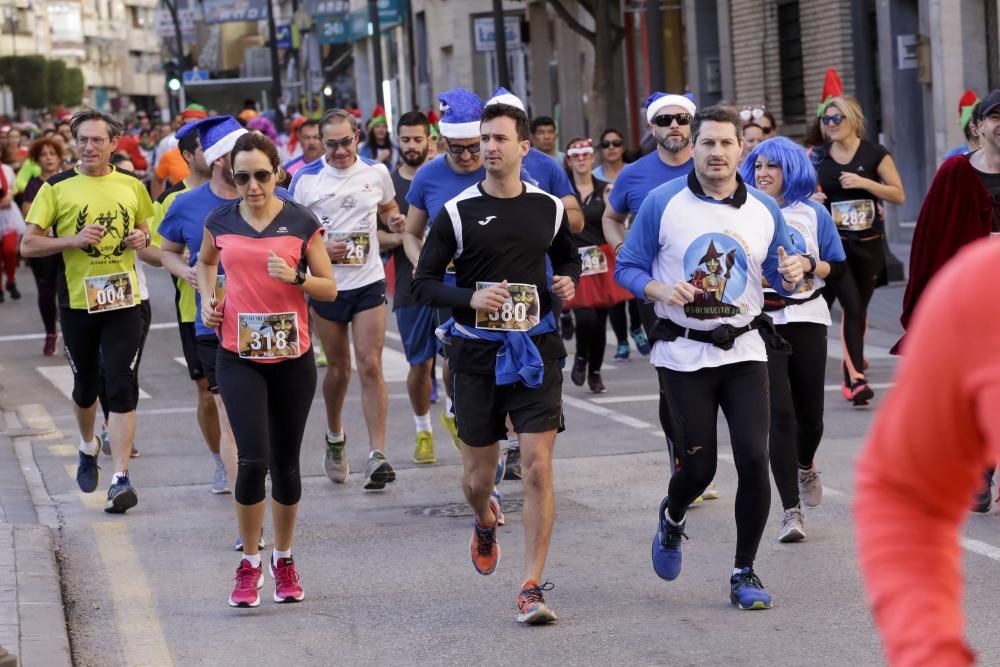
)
(376, 50)
(500, 44)
(655, 39)
(275, 67)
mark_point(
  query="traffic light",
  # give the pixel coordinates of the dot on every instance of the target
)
(173, 75)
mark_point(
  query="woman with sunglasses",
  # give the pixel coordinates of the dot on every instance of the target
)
(597, 290)
(265, 371)
(613, 156)
(855, 176)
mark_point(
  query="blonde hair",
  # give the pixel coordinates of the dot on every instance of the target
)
(850, 109)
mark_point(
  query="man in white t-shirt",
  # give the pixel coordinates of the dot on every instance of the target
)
(347, 193)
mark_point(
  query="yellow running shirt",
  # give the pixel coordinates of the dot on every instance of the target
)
(71, 200)
(185, 293)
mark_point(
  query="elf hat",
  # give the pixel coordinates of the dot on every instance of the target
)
(378, 117)
(965, 106)
(832, 87)
(462, 112)
(193, 112)
(218, 135)
(504, 96)
(657, 101)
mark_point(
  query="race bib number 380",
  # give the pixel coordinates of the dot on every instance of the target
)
(359, 245)
(593, 260)
(268, 335)
(519, 313)
(855, 215)
(109, 292)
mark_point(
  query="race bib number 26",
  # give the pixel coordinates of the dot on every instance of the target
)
(109, 292)
(268, 335)
(359, 246)
(519, 313)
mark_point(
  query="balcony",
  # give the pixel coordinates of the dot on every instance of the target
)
(142, 83)
(143, 40)
(21, 45)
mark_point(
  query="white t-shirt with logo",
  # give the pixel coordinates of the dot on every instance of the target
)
(346, 201)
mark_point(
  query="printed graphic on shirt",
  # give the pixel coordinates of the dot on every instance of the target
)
(268, 335)
(854, 215)
(518, 313)
(716, 264)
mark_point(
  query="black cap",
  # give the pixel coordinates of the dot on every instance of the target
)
(989, 103)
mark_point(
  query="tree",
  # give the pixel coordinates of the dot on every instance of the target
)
(71, 91)
(57, 79)
(606, 38)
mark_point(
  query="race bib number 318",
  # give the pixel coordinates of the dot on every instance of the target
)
(109, 292)
(268, 335)
(519, 313)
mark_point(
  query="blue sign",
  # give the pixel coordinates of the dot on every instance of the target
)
(283, 35)
(333, 29)
(225, 11)
(195, 75)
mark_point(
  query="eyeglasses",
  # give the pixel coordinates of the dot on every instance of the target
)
(458, 149)
(336, 144)
(617, 143)
(835, 119)
(242, 178)
(667, 119)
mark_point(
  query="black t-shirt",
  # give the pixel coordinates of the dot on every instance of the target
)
(593, 212)
(992, 184)
(403, 267)
(493, 240)
(865, 164)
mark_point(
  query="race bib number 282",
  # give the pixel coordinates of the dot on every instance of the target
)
(519, 313)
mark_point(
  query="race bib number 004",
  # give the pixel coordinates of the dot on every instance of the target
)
(268, 335)
(855, 215)
(359, 245)
(594, 260)
(113, 291)
(519, 313)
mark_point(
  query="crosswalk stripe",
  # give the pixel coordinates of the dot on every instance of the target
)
(61, 378)
(62, 450)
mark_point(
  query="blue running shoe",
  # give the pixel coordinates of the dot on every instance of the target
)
(500, 518)
(641, 342)
(747, 591)
(501, 466)
(87, 472)
(667, 546)
(121, 496)
(621, 354)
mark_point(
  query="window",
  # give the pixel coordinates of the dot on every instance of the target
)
(793, 96)
(15, 21)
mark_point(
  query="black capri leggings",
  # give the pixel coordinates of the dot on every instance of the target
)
(797, 386)
(865, 264)
(268, 404)
(619, 314)
(103, 352)
(591, 335)
(695, 397)
(46, 272)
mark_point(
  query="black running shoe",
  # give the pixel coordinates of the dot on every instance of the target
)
(567, 326)
(14, 292)
(121, 496)
(984, 497)
(513, 470)
(579, 373)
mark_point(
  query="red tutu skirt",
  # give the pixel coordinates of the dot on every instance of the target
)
(390, 277)
(600, 289)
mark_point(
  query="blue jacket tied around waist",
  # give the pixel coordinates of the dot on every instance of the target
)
(518, 359)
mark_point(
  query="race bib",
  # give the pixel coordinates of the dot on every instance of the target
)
(268, 335)
(594, 260)
(519, 313)
(359, 245)
(854, 215)
(113, 291)
(220, 287)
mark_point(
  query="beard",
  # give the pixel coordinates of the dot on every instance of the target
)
(673, 144)
(414, 158)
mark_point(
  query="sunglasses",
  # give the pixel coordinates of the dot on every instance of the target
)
(766, 130)
(751, 113)
(242, 178)
(457, 150)
(617, 143)
(667, 119)
(835, 119)
(336, 144)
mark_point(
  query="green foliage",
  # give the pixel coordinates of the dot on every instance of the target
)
(38, 83)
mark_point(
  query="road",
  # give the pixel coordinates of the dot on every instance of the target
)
(387, 575)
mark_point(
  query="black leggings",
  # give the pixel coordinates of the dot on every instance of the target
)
(865, 264)
(591, 335)
(619, 318)
(103, 348)
(146, 312)
(268, 404)
(46, 272)
(797, 386)
(695, 397)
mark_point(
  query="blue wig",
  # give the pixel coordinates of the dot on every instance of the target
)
(797, 171)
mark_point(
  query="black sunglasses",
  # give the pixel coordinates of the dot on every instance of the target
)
(667, 119)
(766, 130)
(617, 143)
(458, 150)
(835, 119)
(335, 144)
(243, 177)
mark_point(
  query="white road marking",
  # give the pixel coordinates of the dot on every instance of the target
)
(40, 336)
(835, 350)
(587, 406)
(605, 400)
(61, 378)
(981, 548)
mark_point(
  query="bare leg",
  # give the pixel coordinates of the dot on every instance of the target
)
(208, 416)
(121, 431)
(336, 345)
(539, 500)
(283, 517)
(480, 464)
(227, 447)
(85, 421)
(251, 520)
(369, 338)
(418, 386)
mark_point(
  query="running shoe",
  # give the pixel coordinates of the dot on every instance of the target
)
(449, 423)
(861, 393)
(220, 484)
(747, 591)
(483, 545)
(88, 473)
(106, 443)
(792, 526)
(500, 517)
(286, 580)
(261, 542)
(810, 486)
(14, 292)
(378, 472)
(984, 497)
(49, 349)
(334, 462)
(248, 580)
(567, 326)
(595, 383)
(711, 493)
(121, 496)
(501, 466)
(513, 470)
(621, 354)
(667, 546)
(424, 452)
(531, 608)
(579, 372)
(641, 342)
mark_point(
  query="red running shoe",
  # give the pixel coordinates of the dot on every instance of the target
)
(49, 349)
(531, 608)
(248, 580)
(286, 581)
(484, 547)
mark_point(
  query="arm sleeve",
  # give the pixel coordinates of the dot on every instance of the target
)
(618, 199)
(438, 251)
(144, 205)
(415, 196)
(634, 264)
(170, 226)
(43, 208)
(560, 182)
(563, 253)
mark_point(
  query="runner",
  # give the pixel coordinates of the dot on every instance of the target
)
(544, 137)
(378, 146)
(779, 167)
(704, 277)
(416, 321)
(266, 375)
(347, 192)
(499, 233)
(967, 118)
(613, 155)
(312, 146)
(99, 215)
(11, 230)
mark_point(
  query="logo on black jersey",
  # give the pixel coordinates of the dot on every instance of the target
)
(487, 220)
(108, 220)
(282, 230)
(349, 202)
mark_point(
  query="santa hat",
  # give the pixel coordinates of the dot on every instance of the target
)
(965, 106)
(657, 101)
(504, 96)
(194, 112)
(218, 135)
(462, 112)
(832, 87)
(378, 117)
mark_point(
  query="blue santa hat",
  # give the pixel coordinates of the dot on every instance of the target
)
(218, 135)
(462, 110)
(657, 101)
(504, 96)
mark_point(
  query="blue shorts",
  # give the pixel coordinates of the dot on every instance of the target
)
(416, 327)
(351, 302)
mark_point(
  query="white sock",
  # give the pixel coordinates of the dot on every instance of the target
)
(736, 571)
(449, 406)
(675, 523)
(118, 476)
(278, 555)
(423, 422)
(373, 452)
(334, 437)
(253, 559)
(90, 448)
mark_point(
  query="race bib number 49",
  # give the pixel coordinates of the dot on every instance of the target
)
(359, 245)
(268, 335)
(854, 215)
(109, 292)
(519, 313)
(594, 260)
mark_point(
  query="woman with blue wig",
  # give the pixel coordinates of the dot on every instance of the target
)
(781, 168)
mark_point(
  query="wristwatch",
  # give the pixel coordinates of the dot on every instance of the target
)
(149, 239)
(812, 263)
(300, 277)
